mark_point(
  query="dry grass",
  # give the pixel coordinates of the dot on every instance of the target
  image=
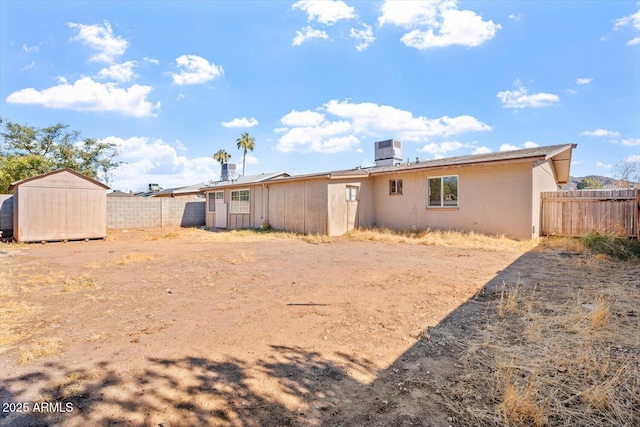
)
(241, 259)
(16, 322)
(92, 265)
(447, 238)
(78, 283)
(134, 257)
(554, 361)
(41, 348)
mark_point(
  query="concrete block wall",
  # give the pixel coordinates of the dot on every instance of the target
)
(132, 212)
(6, 214)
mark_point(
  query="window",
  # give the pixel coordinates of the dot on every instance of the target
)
(213, 197)
(239, 202)
(352, 193)
(443, 192)
(211, 202)
(395, 186)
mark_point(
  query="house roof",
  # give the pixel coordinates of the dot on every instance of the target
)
(57, 171)
(250, 179)
(559, 155)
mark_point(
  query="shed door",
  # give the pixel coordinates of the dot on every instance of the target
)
(221, 210)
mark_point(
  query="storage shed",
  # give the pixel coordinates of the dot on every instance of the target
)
(59, 205)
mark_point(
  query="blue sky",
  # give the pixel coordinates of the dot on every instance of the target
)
(318, 82)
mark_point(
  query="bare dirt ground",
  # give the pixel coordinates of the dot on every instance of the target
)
(181, 328)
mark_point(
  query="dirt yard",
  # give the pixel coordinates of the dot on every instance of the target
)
(189, 327)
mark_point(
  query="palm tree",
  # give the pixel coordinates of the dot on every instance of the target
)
(245, 142)
(222, 157)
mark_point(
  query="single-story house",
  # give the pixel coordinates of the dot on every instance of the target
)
(59, 205)
(494, 193)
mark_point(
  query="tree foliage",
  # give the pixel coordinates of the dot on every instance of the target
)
(222, 157)
(628, 173)
(28, 151)
(245, 142)
(589, 184)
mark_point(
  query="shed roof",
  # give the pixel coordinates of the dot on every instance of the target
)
(57, 171)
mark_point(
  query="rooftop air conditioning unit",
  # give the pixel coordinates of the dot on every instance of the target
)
(228, 172)
(388, 153)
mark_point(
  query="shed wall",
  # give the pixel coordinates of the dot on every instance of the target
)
(543, 181)
(60, 206)
(299, 206)
(494, 199)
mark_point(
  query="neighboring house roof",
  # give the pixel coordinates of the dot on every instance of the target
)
(245, 180)
(177, 191)
(118, 193)
(71, 171)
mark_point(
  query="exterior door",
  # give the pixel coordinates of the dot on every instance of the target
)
(221, 210)
(352, 196)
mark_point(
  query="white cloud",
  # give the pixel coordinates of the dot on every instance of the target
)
(583, 81)
(633, 158)
(572, 91)
(437, 24)
(530, 144)
(241, 123)
(30, 49)
(308, 33)
(365, 37)
(481, 150)
(600, 133)
(313, 131)
(374, 119)
(302, 118)
(151, 60)
(102, 39)
(119, 72)
(520, 98)
(29, 67)
(154, 160)
(602, 165)
(180, 96)
(195, 70)
(634, 21)
(631, 141)
(507, 147)
(576, 162)
(325, 12)
(88, 95)
(515, 17)
(442, 147)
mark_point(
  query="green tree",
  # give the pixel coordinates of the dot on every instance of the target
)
(589, 184)
(28, 151)
(222, 157)
(245, 142)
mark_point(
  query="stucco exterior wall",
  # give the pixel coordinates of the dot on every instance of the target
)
(543, 180)
(60, 206)
(346, 215)
(495, 199)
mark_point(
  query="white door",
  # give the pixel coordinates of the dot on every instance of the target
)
(221, 210)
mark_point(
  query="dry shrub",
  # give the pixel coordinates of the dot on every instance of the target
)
(134, 257)
(552, 360)
(243, 258)
(447, 238)
(41, 348)
(78, 283)
(15, 322)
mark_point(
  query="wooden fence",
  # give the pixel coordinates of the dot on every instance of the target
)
(575, 213)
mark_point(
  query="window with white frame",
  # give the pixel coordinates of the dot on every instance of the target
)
(351, 193)
(211, 201)
(395, 186)
(443, 192)
(239, 202)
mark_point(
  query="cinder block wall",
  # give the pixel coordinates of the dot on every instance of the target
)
(131, 212)
(6, 214)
